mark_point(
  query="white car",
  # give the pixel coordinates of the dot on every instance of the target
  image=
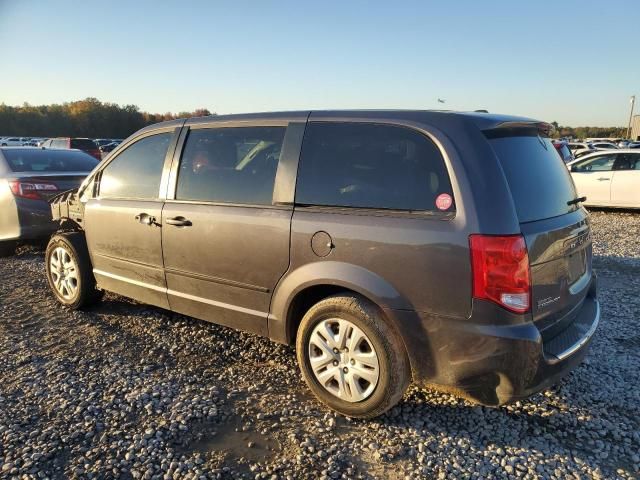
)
(12, 142)
(608, 178)
(580, 148)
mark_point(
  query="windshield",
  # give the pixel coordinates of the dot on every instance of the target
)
(27, 160)
(539, 181)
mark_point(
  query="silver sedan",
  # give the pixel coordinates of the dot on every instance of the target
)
(29, 177)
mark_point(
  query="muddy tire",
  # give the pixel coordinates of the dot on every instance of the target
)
(7, 248)
(351, 358)
(69, 271)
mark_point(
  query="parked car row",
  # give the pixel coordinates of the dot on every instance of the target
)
(95, 147)
(571, 150)
(20, 141)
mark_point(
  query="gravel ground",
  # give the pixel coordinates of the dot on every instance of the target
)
(130, 391)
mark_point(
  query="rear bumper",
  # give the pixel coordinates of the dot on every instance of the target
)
(35, 220)
(495, 357)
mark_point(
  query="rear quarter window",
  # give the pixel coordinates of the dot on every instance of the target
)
(538, 179)
(366, 165)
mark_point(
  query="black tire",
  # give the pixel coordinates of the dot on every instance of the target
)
(86, 293)
(7, 248)
(395, 372)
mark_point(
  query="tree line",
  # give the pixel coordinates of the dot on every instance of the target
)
(84, 118)
(588, 132)
(95, 119)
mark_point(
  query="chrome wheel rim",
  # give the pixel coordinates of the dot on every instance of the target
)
(64, 273)
(343, 360)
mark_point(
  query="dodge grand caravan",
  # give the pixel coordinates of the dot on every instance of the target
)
(442, 248)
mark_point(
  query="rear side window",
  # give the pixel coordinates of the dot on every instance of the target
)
(230, 165)
(539, 181)
(59, 143)
(83, 144)
(371, 166)
(136, 172)
(49, 161)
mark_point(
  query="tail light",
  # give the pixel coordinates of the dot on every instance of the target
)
(31, 190)
(500, 267)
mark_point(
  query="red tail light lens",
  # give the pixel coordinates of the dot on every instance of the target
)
(31, 190)
(500, 267)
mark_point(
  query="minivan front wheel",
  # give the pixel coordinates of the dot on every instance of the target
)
(351, 358)
(69, 271)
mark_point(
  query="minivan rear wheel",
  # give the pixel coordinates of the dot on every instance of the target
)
(351, 357)
(69, 271)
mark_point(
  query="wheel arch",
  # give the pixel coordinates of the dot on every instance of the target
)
(305, 286)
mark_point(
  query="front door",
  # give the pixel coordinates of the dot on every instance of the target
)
(625, 186)
(123, 221)
(225, 241)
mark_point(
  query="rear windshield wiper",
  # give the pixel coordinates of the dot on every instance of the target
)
(575, 201)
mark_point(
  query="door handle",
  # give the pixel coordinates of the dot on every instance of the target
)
(602, 179)
(178, 222)
(146, 219)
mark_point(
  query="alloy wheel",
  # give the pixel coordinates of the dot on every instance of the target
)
(64, 273)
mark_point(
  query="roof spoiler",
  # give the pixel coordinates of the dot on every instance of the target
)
(520, 129)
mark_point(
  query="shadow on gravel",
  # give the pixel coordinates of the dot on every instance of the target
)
(237, 446)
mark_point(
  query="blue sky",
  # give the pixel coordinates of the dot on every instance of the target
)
(576, 62)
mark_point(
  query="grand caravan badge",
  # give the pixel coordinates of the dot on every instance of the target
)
(576, 242)
(545, 302)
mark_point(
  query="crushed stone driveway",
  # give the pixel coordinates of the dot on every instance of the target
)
(126, 390)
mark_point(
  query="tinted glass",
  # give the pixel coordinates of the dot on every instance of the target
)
(49, 161)
(370, 166)
(539, 181)
(83, 144)
(230, 165)
(136, 172)
(598, 164)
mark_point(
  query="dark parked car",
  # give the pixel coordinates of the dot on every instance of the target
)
(85, 144)
(394, 246)
(28, 178)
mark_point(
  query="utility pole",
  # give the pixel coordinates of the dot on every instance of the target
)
(633, 101)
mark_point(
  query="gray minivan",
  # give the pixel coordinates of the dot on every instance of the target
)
(443, 248)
